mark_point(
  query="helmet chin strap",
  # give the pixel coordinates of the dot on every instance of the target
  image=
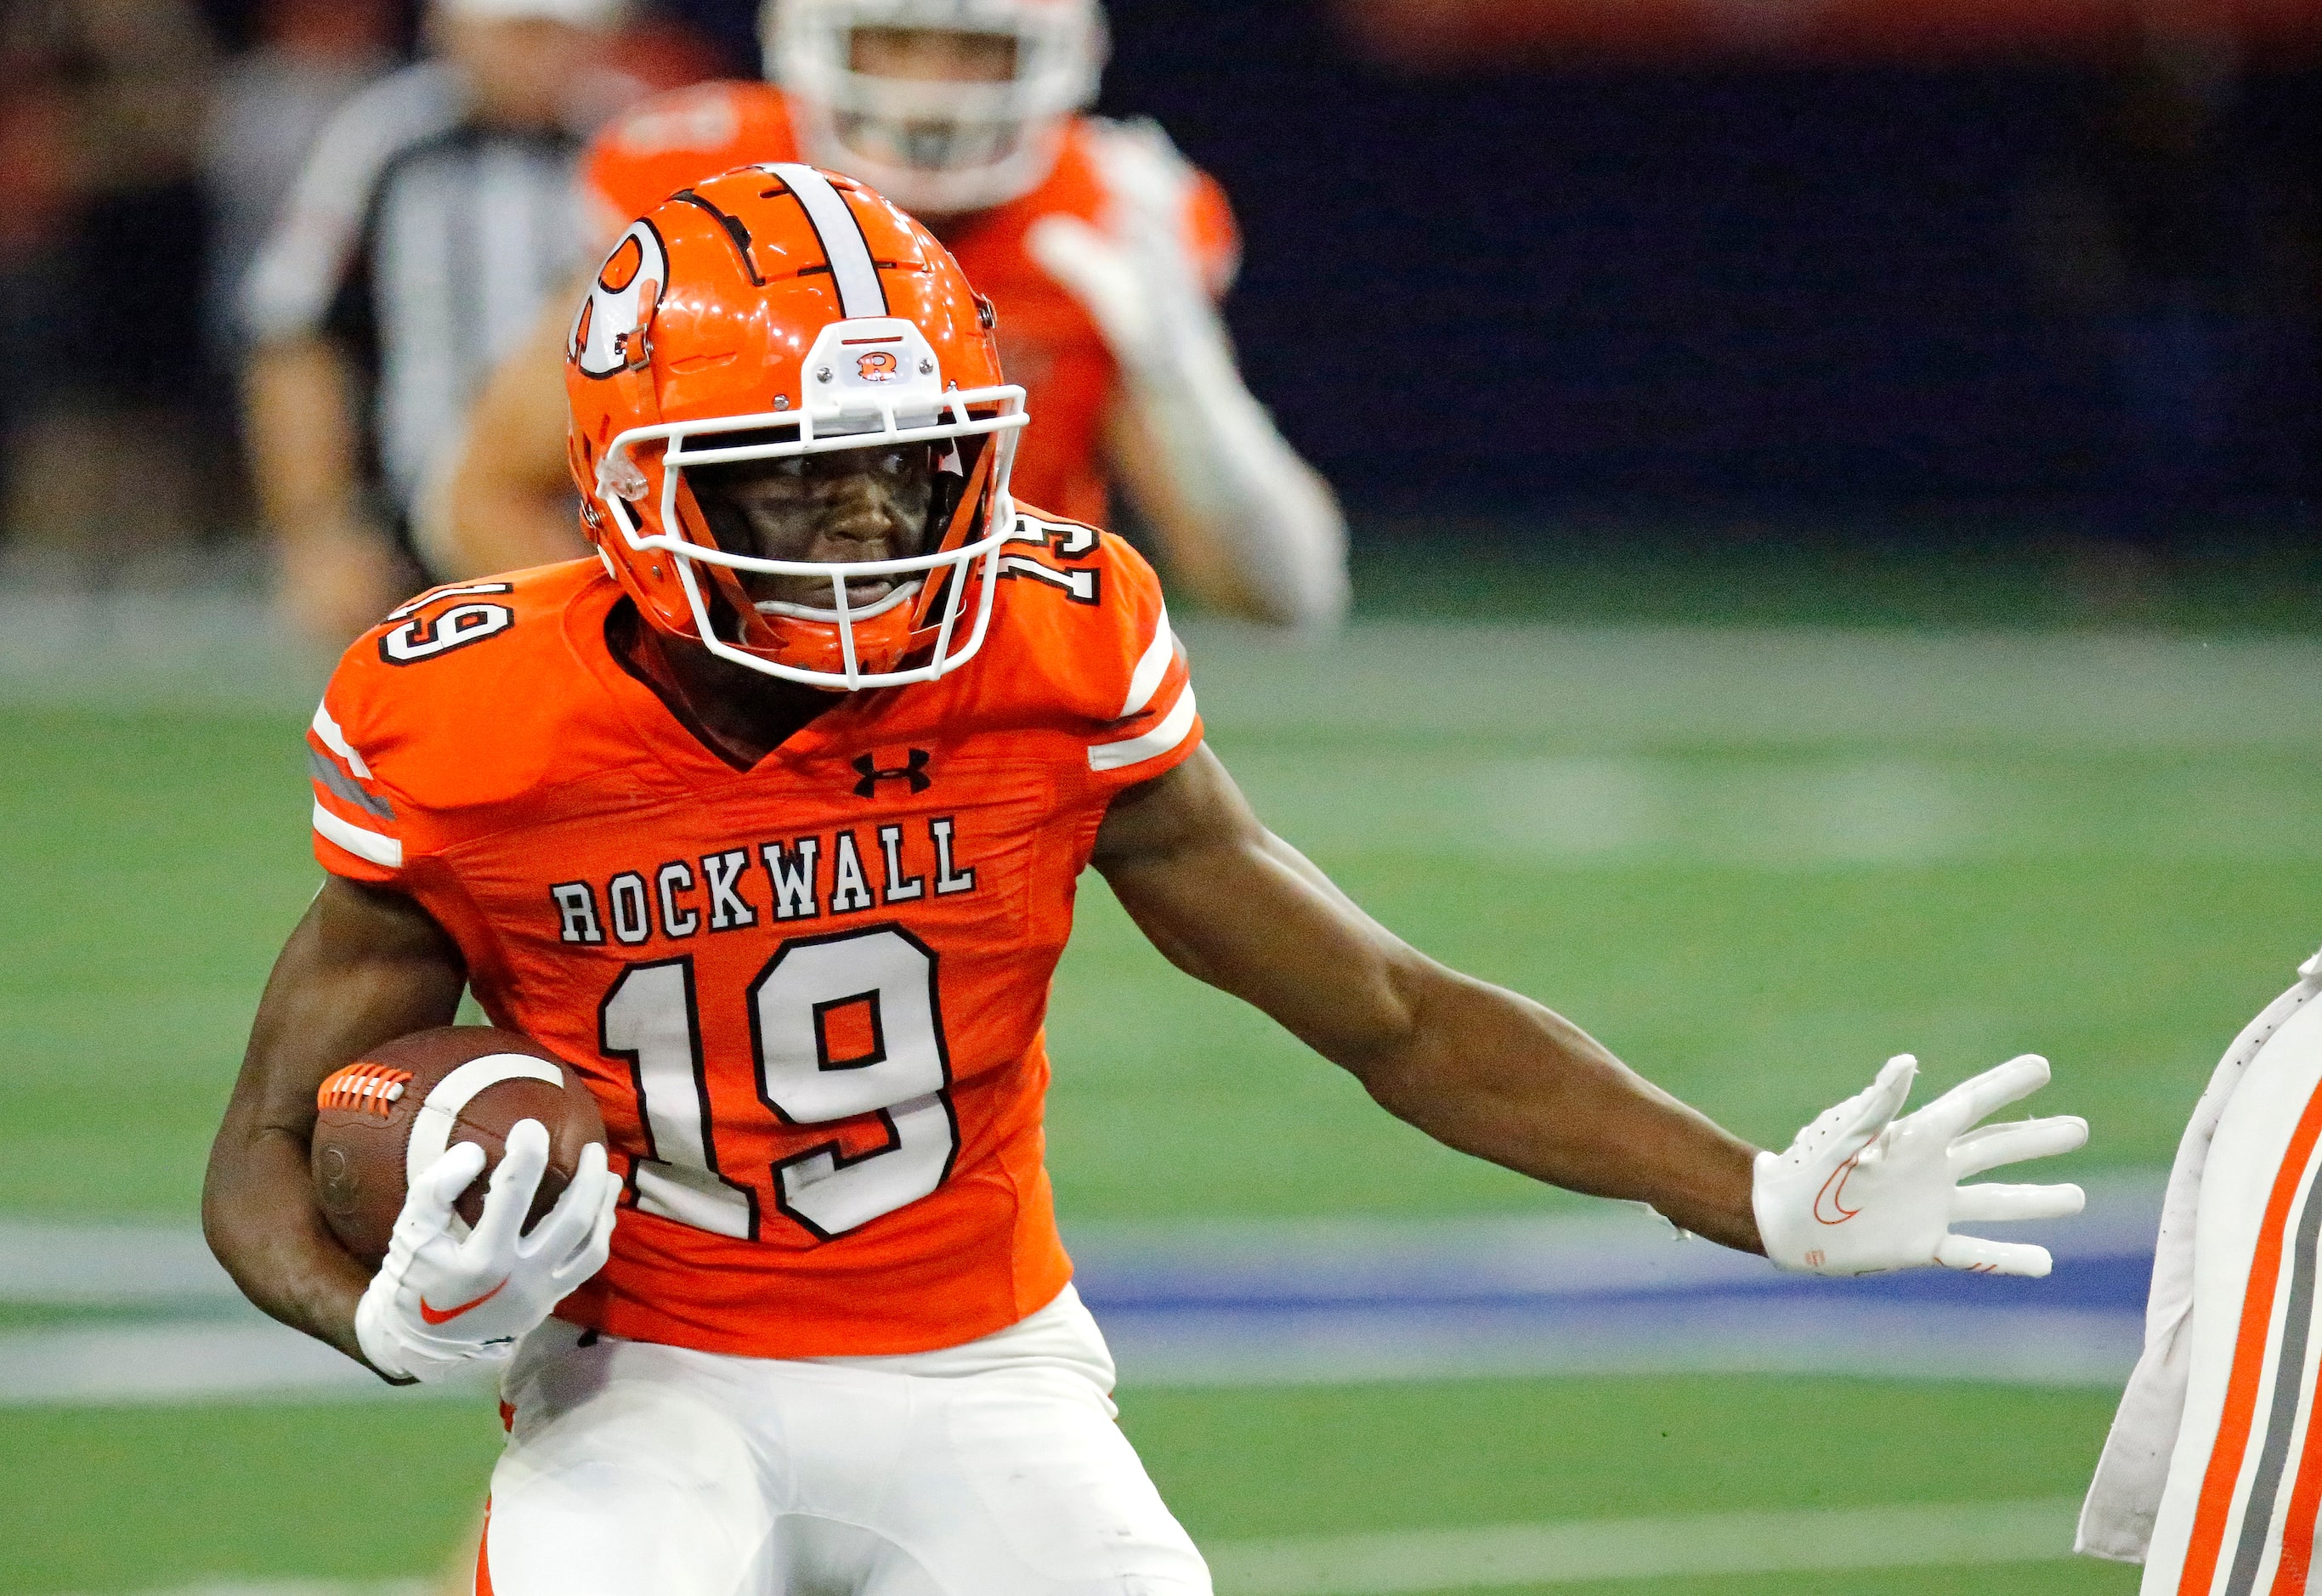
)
(751, 629)
(967, 513)
(881, 634)
(898, 595)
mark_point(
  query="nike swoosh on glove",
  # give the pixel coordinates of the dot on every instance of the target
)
(442, 1299)
(1861, 1191)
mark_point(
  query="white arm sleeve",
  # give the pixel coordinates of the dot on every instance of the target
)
(1138, 281)
(1239, 476)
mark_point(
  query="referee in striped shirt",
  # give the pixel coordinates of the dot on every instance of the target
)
(436, 211)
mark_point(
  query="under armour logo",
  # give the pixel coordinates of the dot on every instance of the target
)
(914, 770)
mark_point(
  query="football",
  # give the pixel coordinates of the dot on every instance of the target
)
(392, 1113)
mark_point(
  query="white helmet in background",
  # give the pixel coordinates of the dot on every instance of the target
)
(938, 146)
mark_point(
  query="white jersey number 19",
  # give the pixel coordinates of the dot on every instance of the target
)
(876, 987)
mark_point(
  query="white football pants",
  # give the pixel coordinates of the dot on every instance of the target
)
(993, 1469)
(2237, 1516)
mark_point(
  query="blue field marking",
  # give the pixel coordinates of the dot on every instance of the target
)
(1615, 1291)
(1607, 1290)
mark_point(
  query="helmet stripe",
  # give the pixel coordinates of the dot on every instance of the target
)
(843, 244)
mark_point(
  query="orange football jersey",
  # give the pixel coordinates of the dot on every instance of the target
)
(1048, 343)
(807, 995)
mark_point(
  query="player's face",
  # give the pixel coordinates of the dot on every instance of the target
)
(932, 55)
(938, 56)
(850, 505)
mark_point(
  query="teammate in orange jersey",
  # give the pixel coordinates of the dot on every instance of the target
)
(768, 819)
(1101, 247)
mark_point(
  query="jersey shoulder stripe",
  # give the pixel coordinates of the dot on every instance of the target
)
(1091, 633)
(459, 696)
(372, 847)
(1170, 733)
(1152, 665)
(351, 814)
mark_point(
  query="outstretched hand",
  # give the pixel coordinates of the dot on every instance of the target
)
(1861, 1191)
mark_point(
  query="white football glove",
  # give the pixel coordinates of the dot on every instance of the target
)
(440, 1300)
(1860, 1190)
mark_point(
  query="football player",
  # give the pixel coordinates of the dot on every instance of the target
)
(1102, 249)
(768, 819)
(2212, 1476)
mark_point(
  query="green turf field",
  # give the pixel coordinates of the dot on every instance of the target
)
(1754, 861)
(121, 1500)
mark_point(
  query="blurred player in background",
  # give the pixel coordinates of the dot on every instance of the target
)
(431, 219)
(1103, 249)
(798, 938)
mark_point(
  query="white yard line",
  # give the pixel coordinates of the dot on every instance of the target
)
(1584, 1249)
(1587, 1250)
(1698, 1545)
(177, 1362)
(1572, 1552)
(62, 1263)
(2089, 1350)
(241, 1359)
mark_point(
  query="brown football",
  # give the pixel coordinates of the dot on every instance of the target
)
(455, 1083)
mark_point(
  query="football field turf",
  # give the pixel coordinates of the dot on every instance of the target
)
(1753, 861)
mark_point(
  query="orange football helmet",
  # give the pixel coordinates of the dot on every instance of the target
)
(777, 311)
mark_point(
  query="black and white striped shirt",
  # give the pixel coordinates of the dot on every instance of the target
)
(425, 244)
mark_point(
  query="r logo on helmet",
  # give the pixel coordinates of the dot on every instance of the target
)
(878, 365)
(610, 334)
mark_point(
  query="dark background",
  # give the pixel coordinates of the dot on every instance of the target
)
(1669, 287)
(1717, 282)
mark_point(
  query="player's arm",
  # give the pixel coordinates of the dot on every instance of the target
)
(364, 966)
(502, 500)
(1499, 1076)
(1478, 1068)
(335, 571)
(1242, 523)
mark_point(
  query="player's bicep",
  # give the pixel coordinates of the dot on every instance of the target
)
(365, 965)
(1231, 904)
